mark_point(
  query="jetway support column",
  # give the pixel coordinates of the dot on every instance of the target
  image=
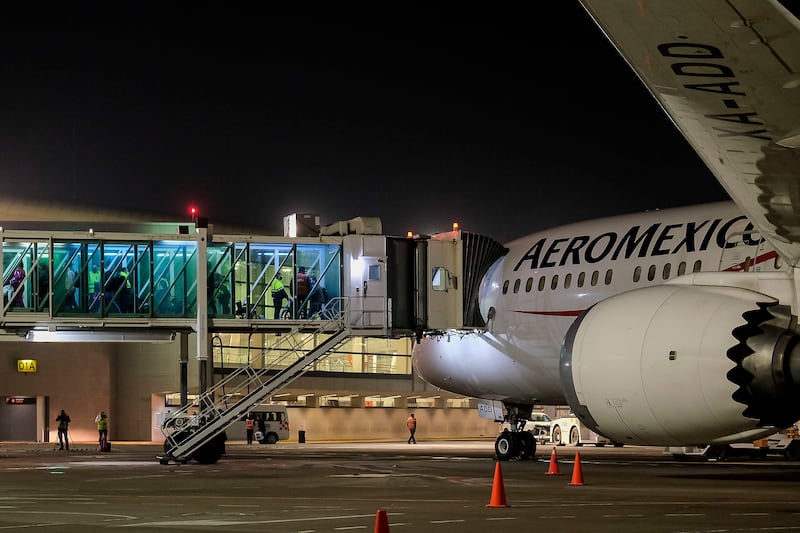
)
(202, 306)
(184, 367)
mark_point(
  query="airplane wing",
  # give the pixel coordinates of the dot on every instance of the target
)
(727, 72)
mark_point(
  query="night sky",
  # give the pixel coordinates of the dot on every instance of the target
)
(505, 122)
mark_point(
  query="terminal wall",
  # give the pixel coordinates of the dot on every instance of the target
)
(129, 380)
(344, 423)
(75, 377)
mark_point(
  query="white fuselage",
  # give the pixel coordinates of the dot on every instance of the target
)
(549, 278)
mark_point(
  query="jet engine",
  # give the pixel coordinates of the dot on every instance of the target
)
(682, 364)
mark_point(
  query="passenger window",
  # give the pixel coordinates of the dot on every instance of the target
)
(595, 276)
(528, 285)
(609, 276)
(541, 284)
(637, 274)
(554, 282)
(697, 266)
(581, 279)
(651, 273)
(567, 281)
(505, 286)
(682, 268)
(667, 269)
(778, 262)
(516, 286)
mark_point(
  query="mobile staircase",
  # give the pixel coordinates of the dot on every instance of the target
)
(197, 431)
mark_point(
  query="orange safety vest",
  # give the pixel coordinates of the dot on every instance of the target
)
(249, 424)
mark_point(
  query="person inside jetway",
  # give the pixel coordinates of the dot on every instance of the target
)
(279, 294)
(94, 287)
(302, 291)
(16, 280)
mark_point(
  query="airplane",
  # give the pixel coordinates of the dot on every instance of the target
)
(675, 327)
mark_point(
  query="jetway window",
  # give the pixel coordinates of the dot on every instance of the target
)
(439, 280)
(374, 272)
(637, 274)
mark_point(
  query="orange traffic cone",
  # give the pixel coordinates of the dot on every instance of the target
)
(577, 472)
(381, 522)
(498, 490)
(553, 470)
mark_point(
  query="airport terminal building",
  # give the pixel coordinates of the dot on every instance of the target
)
(175, 321)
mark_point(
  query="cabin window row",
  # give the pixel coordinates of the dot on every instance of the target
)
(594, 279)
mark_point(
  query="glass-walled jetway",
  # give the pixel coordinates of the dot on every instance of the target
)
(113, 277)
(311, 273)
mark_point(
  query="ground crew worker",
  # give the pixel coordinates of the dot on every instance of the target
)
(63, 430)
(102, 429)
(411, 423)
(249, 425)
(278, 294)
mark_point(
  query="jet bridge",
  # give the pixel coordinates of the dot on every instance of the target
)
(150, 282)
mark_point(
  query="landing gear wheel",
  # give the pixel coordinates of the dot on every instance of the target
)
(506, 446)
(527, 445)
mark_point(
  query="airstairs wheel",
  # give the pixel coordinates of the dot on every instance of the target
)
(211, 452)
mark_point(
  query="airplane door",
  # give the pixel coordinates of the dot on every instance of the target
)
(742, 250)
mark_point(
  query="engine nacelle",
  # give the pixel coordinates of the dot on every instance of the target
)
(680, 365)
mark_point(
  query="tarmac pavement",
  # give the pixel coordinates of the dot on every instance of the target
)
(436, 486)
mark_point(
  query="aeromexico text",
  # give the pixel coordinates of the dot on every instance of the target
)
(638, 241)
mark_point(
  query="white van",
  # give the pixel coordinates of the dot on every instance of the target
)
(272, 424)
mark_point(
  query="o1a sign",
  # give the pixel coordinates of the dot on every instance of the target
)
(26, 365)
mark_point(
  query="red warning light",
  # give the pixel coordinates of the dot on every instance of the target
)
(193, 211)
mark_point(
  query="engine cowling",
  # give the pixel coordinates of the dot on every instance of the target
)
(680, 365)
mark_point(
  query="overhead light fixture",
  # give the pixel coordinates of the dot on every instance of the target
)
(38, 335)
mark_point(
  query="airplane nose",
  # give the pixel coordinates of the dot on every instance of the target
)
(489, 292)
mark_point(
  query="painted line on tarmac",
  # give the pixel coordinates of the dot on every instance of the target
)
(221, 523)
